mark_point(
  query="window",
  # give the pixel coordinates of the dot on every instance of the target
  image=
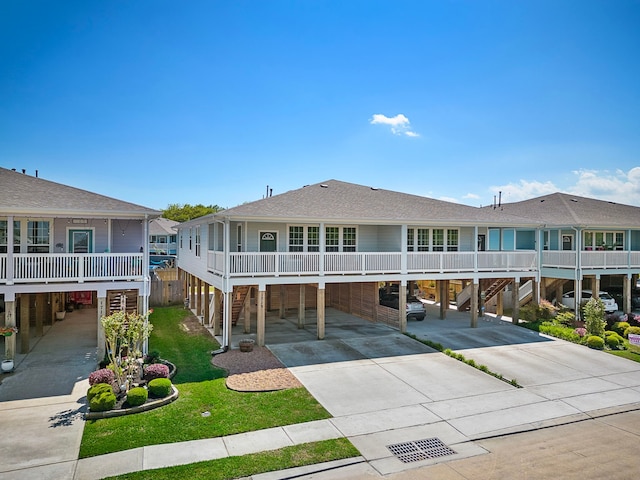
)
(190, 238)
(603, 240)
(313, 239)
(198, 241)
(452, 240)
(418, 240)
(239, 239)
(332, 240)
(4, 236)
(349, 239)
(438, 240)
(508, 239)
(304, 239)
(38, 236)
(296, 239)
(494, 239)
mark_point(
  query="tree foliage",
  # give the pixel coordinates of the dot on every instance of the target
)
(125, 333)
(182, 212)
(594, 317)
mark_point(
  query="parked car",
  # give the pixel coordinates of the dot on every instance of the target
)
(415, 308)
(610, 305)
(617, 294)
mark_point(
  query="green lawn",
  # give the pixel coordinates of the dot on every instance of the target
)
(247, 465)
(202, 389)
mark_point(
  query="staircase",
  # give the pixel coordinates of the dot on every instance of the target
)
(239, 297)
(126, 300)
(463, 299)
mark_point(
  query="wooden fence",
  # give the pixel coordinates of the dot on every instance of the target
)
(166, 288)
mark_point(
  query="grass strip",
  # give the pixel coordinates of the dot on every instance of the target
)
(461, 358)
(229, 412)
(247, 465)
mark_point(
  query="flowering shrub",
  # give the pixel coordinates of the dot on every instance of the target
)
(104, 375)
(581, 331)
(156, 370)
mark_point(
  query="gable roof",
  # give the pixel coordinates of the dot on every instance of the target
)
(562, 209)
(22, 194)
(162, 226)
(338, 201)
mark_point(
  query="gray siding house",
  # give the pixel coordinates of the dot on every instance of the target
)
(334, 243)
(62, 247)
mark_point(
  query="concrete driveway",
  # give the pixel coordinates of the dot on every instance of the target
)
(42, 402)
(390, 394)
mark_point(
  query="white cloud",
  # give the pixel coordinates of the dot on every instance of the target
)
(399, 124)
(617, 186)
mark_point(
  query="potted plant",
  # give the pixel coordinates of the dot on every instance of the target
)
(7, 365)
(60, 315)
(8, 331)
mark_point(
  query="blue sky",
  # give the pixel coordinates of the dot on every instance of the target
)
(158, 102)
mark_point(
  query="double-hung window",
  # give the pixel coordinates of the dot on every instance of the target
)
(38, 236)
(198, 241)
(304, 238)
(4, 236)
(418, 240)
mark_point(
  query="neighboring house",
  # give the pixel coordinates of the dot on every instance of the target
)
(60, 247)
(331, 244)
(162, 236)
(583, 239)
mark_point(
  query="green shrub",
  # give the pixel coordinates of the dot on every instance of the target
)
(613, 341)
(529, 313)
(619, 327)
(160, 387)
(560, 331)
(566, 318)
(546, 309)
(595, 342)
(632, 330)
(594, 317)
(103, 401)
(137, 396)
(97, 389)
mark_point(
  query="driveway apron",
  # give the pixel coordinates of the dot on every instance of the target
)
(391, 395)
(41, 403)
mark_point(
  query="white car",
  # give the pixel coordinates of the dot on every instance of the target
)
(610, 305)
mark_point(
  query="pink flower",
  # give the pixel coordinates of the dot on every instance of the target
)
(581, 331)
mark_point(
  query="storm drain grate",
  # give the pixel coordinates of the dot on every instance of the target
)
(417, 450)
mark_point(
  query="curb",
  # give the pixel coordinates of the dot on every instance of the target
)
(141, 408)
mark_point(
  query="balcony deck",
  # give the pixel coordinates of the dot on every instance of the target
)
(254, 264)
(70, 267)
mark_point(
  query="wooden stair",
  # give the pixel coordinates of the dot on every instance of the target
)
(126, 300)
(464, 301)
(239, 296)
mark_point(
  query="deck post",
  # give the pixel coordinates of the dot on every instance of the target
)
(320, 310)
(515, 295)
(475, 291)
(301, 306)
(402, 307)
(246, 311)
(262, 313)
(10, 321)
(102, 312)
(24, 323)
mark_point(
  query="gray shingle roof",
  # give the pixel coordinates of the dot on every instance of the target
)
(24, 194)
(562, 209)
(162, 226)
(334, 200)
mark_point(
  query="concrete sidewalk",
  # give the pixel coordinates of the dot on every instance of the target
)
(396, 395)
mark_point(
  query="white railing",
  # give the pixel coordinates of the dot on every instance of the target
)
(507, 261)
(366, 263)
(70, 267)
(591, 259)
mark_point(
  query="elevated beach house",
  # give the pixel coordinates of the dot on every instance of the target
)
(338, 245)
(335, 244)
(63, 248)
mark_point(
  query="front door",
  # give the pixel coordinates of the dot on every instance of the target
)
(268, 241)
(567, 242)
(80, 241)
